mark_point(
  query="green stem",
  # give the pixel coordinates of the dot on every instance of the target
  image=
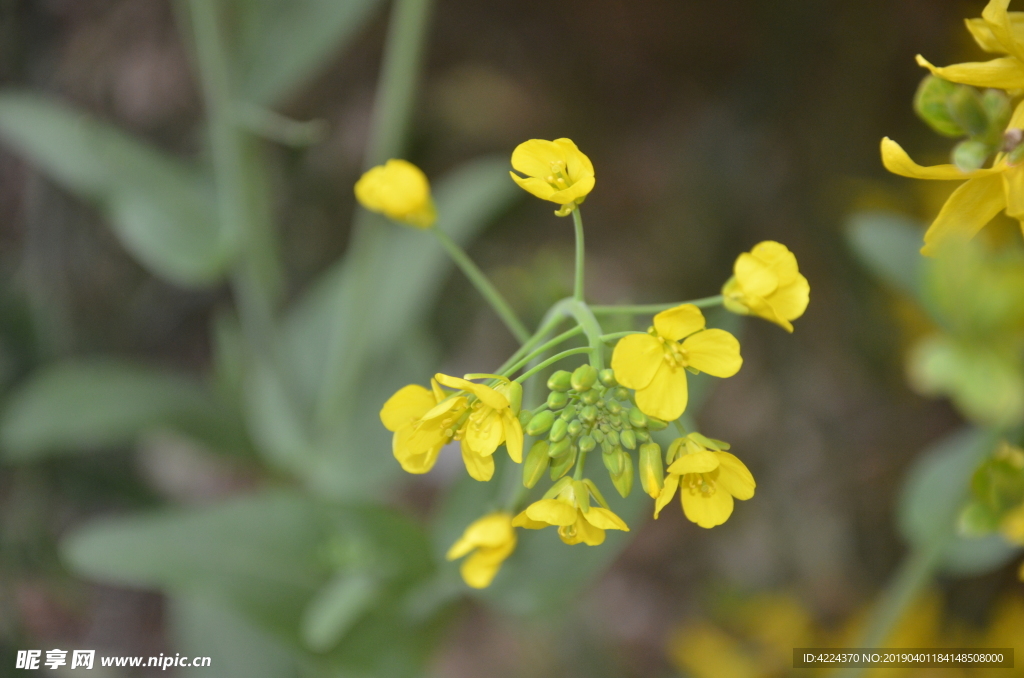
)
(551, 361)
(643, 309)
(568, 334)
(577, 290)
(580, 463)
(483, 286)
(581, 312)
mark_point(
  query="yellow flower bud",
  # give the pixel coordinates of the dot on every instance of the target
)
(652, 474)
(399, 190)
(767, 283)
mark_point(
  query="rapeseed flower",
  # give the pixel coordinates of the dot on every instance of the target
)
(707, 479)
(655, 364)
(567, 506)
(555, 170)
(493, 420)
(399, 190)
(489, 541)
(766, 282)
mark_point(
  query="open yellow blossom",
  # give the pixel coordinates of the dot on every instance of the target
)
(493, 420)
(555, 170)
(567, 506)
(491, 540)
(423, 422)
(767, 283)
(399, 190)
(655, 364)
(707, 480)
(984, 193)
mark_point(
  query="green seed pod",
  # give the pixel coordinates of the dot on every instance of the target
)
(558, 430)
(590, 397)
(637, 418)
(524, 417)
(597, 434)
(587, 443)
(562, 465)
(584, 377)
(588, 414)
(607, 377)
(623, 482)
(560, 448)
(656, 424)
(540, 422)
(642, 435)
(612, 437)
(575, 428)
(560, 381)
(628, 439)
(613, 461)
(652, 474)
(535, 464)
(557, 400)
(621, 394)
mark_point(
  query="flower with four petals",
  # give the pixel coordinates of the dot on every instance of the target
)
(399, 190)
(767, 283)
(555, 170)
(488, 541)
(567, 506)
(707, 478)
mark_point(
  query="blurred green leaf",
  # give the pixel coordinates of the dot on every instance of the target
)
(281, 42)
(336, 607)
(202, 626)
(935, 491)
(84, 405)
(276, 422)
(161, 210)
(889, 246)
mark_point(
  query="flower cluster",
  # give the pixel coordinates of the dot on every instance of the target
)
(618, 412)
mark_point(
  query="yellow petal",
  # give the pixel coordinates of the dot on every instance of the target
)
(578, 189)
(703, 461)
(1002, 73)
(898, 162)
(791, 301)
(534, 157)
(707, 510)
(1013, 189)
(734, 477)
(636, 359)
(754, 276)
(1017, 119)
(999, 23)
(537, 187)
(713, 351)
(406, 407)
(552, 512)
(487, 395)
(667, 492)
(679, 322)
(444, 407)
(589, 534)
(666, 396)
(966, 212)
(778, 258)
(484, 432)
(417, 457)
(479, 467)
(513, 436)
(523, 520)
(399, 190)
(492, 530)
(982, 34)
(605, 519)
(480, 568)
(578, 165)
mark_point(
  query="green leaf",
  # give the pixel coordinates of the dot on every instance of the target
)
(161, 210)
(889, 247)
(281, 42)
(336, 607)
(85, 405)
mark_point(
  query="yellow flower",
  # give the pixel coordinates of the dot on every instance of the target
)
(493, 420)
(708, 479)
(655, 364)
(767, 283)
(423, 422)
(399, 190)
(567, 505)
(984, 194)
(492, 539)
(555, 170)
(1012, 526)
(999, 32)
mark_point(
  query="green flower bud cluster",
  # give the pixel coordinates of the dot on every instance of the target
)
(997, 490)
(960, 110)
(586, 411)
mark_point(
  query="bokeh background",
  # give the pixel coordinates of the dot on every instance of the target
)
(712, 125)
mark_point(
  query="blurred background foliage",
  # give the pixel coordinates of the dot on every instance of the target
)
(181, 477)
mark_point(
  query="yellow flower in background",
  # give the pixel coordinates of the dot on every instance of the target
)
(399, 190)
(766, 282)
(493, 420)
(998, 32)
(555, 170)
(423, 422)
(489, 541)
(707, 480)
(655, 364)
(984, 194)
(568, 507)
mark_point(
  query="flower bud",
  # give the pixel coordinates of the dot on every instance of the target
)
(582, 495)
(557, 400)
(597, 434)
(623, 482)
(613, 438)
(628, 439)
(560, 381)
(588, 414)
(652, 473)
(535, 464)
(656, 424)
(558, 430)
(584, 377)
(560, 448)
(587, 443)
(540, 422)
(607, 377)
(575, 428)
(513, 391)
(970, 155)
(621, 394)
(642, 435)
(966, 110)
(614, 407)
(930, 104)
(560, 466)
(613, 461)
(637, 418)
(590, 397)
(524, 417)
